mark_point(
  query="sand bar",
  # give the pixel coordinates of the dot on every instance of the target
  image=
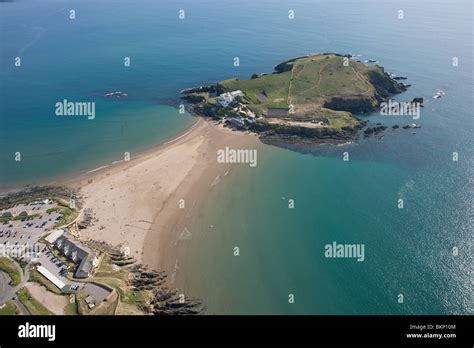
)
(137, 202)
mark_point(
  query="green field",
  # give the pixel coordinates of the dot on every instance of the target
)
(305, 85)
(274, 87)
(326, 76)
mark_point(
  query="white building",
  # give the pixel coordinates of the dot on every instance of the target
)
(51, 277)
(228, 97)
(53, 236)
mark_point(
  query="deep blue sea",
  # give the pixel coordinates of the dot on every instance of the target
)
(408, 251)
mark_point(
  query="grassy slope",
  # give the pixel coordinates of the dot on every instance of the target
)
(10, 309)
(9, 267)
(67, 214)
(275, 87)
(35, 307)
(314, 80)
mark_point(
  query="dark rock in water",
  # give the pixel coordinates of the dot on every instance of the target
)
(400, 78)
(396, 126)
(369, 131)
(378, 124)
(413, 125)
(374, 130)
(418, 100)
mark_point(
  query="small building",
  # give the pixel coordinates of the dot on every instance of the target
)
(85, 258)
(90, 301)
(237, 122)
(277, 112)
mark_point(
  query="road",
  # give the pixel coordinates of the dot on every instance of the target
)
(8, 292)
(5, 288)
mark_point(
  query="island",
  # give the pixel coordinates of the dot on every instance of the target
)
(310, 98)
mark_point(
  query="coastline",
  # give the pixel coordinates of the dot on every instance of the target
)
(137, 202)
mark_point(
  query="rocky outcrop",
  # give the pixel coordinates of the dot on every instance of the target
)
(384, 85)
(194, 99)
(324, 134)
(355, 105)
(286, 66)
(164, 300)
(212, 111)
(200, 89)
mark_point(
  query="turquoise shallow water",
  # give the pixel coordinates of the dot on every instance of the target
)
(408, 251)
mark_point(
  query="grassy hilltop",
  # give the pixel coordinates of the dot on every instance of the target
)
(313, 96)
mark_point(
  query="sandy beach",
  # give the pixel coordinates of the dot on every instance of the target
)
(147, 202)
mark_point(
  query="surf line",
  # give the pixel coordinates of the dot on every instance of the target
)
(173, 140)
(183, 135)
(94, 170)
